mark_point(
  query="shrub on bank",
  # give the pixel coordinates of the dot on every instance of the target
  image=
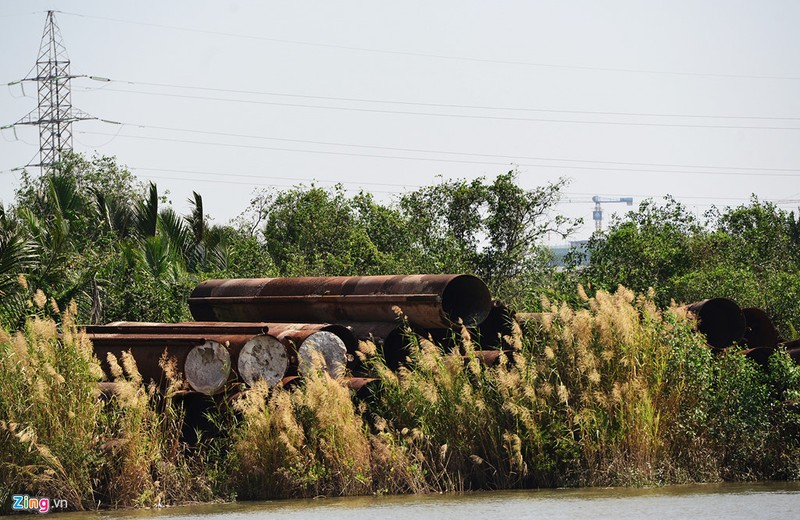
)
(614, 392)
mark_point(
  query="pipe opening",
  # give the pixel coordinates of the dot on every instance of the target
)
(466, 298)
(721, 320)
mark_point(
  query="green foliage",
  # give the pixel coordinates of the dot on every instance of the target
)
(493, 229)
(750, 254)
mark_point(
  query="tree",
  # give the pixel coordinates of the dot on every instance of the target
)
(646, 248)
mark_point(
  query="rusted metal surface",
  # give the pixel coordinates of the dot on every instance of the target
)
(427, 300)
(146, 351)
(187, 327)
(359, 384)
(350, 341)
(720, 320)
(791, 345)
(759, 331)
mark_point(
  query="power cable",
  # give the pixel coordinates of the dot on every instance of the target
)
(435, 105)
(439, 56)
(443, 152)
(431, 159)
(459, 116)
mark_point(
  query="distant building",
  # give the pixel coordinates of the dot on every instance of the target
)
(561, 251)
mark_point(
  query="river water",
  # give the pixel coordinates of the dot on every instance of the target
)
(778, 501)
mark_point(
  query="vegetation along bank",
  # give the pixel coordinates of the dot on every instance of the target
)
(611, 386)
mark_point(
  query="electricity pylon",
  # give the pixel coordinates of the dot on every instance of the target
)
(55, 114)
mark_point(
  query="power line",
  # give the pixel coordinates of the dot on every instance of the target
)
(449, 152)
(436, 105)
(251, 176)
(359, 184)
(440, 56)
(349, 154)
(444, 152)
(227, 181)
(459, 116)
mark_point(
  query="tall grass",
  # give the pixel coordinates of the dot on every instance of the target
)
(612, 391)
(61, 438)
(49, 411)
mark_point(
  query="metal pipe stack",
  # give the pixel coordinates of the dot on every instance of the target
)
(273, 328)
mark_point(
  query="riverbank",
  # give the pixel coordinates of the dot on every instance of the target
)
(611, 392)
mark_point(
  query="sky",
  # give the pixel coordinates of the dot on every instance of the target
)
(697, 99)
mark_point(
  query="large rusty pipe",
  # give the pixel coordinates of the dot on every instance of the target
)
(187, 327)
(427, 300)
(307, 348)
(760, 332)
(760, 355)
(347, 337)
(358, 384)
(720, 320)
(204, 362)
(204, 359)
(392, 340)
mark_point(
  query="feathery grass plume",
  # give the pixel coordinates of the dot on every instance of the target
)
(39, 299)
(48, 443)
(69, 443)
(304, 442)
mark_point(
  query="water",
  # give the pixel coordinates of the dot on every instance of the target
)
(778, 501)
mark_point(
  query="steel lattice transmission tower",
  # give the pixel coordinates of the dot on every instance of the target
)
(55, 114)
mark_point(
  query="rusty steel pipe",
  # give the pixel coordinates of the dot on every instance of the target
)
(303, 346)
(791, 345)
(427, 300)
(760, 331)
(347, 337)
(204, 362)
(206, 369)
(357, 384)
(187, 327)
(720, 320)
(391, 339)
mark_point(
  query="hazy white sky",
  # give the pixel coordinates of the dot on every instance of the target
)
(698, 99)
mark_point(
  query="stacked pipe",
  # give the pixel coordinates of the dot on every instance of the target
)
(724, 324)
(275, 329)
(371, 308)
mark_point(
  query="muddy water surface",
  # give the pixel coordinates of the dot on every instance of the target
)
(779, 501)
